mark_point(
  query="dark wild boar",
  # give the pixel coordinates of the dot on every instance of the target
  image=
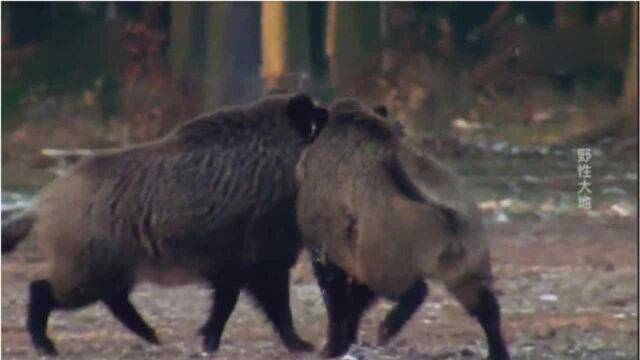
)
(379, 218)
(213, 201)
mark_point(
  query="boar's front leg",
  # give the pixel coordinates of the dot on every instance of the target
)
(360, 297)
(332, 282)
(225, 297)
(269, 285)
(407, 305)
(345, 301)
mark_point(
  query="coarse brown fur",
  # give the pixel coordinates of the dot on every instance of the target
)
(375, 210)
(212, 201)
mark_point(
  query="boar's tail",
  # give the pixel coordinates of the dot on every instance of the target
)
(454, 220)
(15, 229)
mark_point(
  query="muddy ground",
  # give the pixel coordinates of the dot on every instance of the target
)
(568, 288)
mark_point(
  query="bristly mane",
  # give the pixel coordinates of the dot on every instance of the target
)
(368, 123)
(231, 123)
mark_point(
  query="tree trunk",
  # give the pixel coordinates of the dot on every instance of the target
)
(570, 14)
(317, 40)
(215, 54)
(180, 38)
(285, 45)
(232, 53)
(151, 14)
(630, 97)
(353, 42)
(6, 25)
(215, 47)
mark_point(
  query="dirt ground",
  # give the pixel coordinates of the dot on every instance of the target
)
(568, 288)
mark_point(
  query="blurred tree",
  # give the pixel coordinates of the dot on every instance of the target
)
(353, 42)
(31, 21)
(286, 51)
(181, 37)
(6, 24)
(570, 14)
(216, 47)
(232, 58)
(630, 97)
(151, 14)
(317, 39)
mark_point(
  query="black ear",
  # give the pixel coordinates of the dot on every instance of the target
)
(381, 110)
(305, 117)
(321, 118)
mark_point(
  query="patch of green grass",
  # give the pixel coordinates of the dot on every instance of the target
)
(12, 93)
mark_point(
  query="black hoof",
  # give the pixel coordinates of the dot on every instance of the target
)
(384, 335)
(210, 344)
(152, 338)
(299, 345)
(331, 350)
(46, 348)
(502, 354)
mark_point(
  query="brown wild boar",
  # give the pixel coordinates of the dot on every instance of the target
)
(213, 201)
(379, 218)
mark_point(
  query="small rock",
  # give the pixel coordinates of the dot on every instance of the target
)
(466, 352)
(531, 178)
(620, 210)
(462, 124)
(612, 190)
(506, 202)
(609, 267)
(548, 297)
(488, 205)
(501, 217)
(499, 147)
(546, 333)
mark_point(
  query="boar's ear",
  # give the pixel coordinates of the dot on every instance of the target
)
(321, 118)
(381, 110)
(305, 117)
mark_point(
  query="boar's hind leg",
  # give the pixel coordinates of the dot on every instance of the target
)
(269, 286)
(123, 310)
(225, 297)
(41, 303)
(407, 305)
(481, 303)
(48, 295)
